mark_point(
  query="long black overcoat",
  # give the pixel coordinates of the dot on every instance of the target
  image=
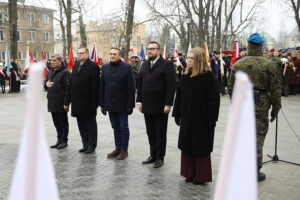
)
(85, 89)
(197, 104)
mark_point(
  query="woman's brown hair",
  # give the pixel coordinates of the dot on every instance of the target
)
(200, 63)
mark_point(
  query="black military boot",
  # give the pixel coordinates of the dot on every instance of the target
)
(261, 176)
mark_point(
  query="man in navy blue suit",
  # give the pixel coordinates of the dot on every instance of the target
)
(117, 96)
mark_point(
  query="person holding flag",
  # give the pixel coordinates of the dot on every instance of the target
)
(266, 85)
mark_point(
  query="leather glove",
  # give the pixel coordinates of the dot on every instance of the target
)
(272, 118)
(211, 124)
(103, 111)
(129, 111)
(177, 121)
(273, 115)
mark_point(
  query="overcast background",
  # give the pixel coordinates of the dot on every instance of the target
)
(277, 17)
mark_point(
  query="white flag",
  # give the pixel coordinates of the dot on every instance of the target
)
(34, 177)
(237, 178)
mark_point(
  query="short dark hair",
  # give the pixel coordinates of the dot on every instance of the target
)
(154, 42)
(252, 45)
(86, 49)
(116, 48)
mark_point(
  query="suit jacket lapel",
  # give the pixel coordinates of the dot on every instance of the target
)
(160, 60)
(83, 67)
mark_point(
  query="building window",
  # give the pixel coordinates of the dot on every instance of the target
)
(47, 54)
(32, 36)
(2, 56)
(2, 18)
(31, 17)
(18, 16)
(20, 55)
(45, 19)
(19, 36)
(1, 35)
(46, 37)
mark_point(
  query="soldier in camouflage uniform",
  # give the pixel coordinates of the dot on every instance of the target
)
(263, 75)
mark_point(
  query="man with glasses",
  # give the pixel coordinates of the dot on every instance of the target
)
(85, 80)
(154, 98)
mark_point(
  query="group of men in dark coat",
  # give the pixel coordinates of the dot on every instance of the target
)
(114, 92)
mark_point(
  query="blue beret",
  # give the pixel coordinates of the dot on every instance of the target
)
(256, 38)
(284, 51)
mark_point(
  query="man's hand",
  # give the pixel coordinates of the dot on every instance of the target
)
(66, 108)
(103, 111)
(129, 111)
(177, 121)
(49, 84)
(272, 118)
(167, 109)
(139, 107)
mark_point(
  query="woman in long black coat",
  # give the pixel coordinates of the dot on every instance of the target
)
(196, 111)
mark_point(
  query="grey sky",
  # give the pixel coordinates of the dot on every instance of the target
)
(277, 17)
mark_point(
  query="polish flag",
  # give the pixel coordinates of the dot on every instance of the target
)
(44, 60)
(235, 53)
(28, 61)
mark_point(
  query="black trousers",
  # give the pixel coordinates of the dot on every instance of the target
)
(61, 123)
(88, 131)
(156, 126)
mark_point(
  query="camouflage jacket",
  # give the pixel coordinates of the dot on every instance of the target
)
(263, 75)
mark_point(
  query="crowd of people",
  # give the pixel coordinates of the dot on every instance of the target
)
(12, 78)
(150, 85)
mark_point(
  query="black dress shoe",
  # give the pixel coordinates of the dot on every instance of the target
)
(62, 145)
(158, 163)
(149, 160)
(189, 180)
(55, 145)
(261, 176)
(89, 150)
(198, 183)
(82, 150)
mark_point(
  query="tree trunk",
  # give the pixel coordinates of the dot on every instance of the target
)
(12, 16)
(129, 26)
(69, 23)
(82, 28)
(296, 7)
(63, 29)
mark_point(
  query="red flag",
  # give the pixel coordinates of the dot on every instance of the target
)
(235, 53)
(71, 60)
(44, 60)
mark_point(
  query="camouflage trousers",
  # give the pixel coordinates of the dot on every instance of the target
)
(262, 126)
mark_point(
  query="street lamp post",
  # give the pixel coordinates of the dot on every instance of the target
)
(188, 20)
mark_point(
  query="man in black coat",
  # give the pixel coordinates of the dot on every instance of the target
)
(215, 65)
(117, 96)
(85, 78)
(58, 86)
(155, 98)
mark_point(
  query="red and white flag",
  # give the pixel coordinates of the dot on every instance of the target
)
(28, 61)
(237, 177)
(44, 60)
(235, 53)
(34, 176)
(176, 57)
(71, 60)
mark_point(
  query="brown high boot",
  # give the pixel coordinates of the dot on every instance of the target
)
(114, 153)
(122, 155)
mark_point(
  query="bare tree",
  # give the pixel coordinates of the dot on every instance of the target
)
(129, 25)
(295, 4)
(67, 6)
(12, 18)
(83, 36)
